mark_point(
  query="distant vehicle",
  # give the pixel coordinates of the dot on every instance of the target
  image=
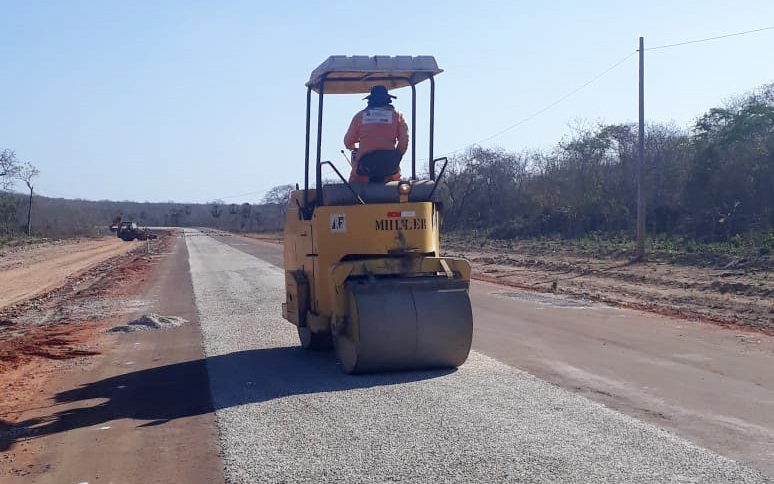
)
(129, 231)
(116, 223)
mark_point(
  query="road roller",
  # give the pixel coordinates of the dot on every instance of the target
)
(363, 267)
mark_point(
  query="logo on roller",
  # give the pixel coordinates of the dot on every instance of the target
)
(405, 220)
(338, 223)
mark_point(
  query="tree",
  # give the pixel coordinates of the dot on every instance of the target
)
(483, 187)
(245, 210)
(217, 208)
(26, 173)
(279, 195)
(9, 169)
(729, 183)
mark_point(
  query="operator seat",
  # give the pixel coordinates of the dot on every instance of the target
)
(379, 164)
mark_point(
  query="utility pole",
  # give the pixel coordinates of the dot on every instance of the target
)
(641, 161)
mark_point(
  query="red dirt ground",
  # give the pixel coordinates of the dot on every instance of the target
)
(61, 330)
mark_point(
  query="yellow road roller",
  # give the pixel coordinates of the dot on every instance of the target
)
(363, 268)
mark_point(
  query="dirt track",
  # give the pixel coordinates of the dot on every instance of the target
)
(730, 291)
(28, 272)
(59, 327)
(56, 360)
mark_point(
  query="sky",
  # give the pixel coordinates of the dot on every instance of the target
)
(193, 101)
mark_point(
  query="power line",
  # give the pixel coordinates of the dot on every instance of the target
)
(709, 38)
(242, 195)
(541, 111)
(574, 91)
(234, 196)
(48, 193)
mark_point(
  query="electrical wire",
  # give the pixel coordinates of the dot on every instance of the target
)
(708, 39)
(205, 201)
(48, 193)
(574, 91)
(243, 194)
(541, 111)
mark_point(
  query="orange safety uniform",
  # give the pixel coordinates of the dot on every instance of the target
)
(376, 128)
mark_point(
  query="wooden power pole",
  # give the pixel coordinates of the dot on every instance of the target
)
(641, 160)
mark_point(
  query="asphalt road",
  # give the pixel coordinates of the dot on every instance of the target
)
(286, 415)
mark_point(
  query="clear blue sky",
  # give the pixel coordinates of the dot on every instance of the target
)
(191, 101)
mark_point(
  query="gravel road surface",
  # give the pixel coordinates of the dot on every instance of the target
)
(286, 415)
(711, 385)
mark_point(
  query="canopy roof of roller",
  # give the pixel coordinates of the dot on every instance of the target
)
(358, 74)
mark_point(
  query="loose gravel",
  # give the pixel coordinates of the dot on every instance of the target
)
(287, 415)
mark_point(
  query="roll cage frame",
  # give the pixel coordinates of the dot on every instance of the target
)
(371, 77)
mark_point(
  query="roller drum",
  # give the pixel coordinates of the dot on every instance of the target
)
(401, 324)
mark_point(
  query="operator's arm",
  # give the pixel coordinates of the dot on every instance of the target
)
(353, 133)
(403, 134)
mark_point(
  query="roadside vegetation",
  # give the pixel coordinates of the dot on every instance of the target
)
(66, 218)
(26, 218)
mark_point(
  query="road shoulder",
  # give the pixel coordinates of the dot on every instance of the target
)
(139, 411)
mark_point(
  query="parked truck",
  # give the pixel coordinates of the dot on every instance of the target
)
(129, 231)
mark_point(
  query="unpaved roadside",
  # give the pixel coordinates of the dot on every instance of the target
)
(58, 330)
(729, 291)
(72, 392)
(30, 271)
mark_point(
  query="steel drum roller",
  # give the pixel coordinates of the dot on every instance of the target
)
(409, 323)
